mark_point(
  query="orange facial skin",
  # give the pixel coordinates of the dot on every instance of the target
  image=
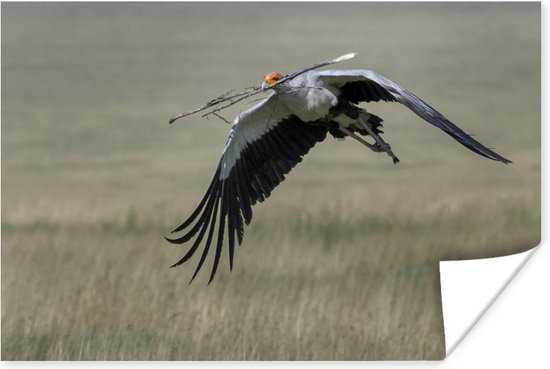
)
(271, 78)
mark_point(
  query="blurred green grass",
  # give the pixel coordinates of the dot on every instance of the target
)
(342, 263)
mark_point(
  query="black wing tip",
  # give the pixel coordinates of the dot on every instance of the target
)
(500, 159)
(492, 155)
(505, 161)
(174, 241)
(488, 153)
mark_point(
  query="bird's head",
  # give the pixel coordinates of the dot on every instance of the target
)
(271, 78)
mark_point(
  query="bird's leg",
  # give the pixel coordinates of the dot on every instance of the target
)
(374, 148)
(382, 145)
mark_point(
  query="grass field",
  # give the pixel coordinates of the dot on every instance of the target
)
(340, 263)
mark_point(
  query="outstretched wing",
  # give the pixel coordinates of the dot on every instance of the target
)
(366, 85)
(265, 143)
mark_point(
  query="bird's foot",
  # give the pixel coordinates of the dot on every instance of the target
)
(379, 145)
(382, 146)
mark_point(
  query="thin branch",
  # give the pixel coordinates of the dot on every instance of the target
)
(228, 99)
(223, 97)
(222, 118)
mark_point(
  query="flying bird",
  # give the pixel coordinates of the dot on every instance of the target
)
(266, 141)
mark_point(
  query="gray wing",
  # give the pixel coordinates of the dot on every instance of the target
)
(365, 85)
(264, 144)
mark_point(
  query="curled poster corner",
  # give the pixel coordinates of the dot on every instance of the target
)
(469, 288)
